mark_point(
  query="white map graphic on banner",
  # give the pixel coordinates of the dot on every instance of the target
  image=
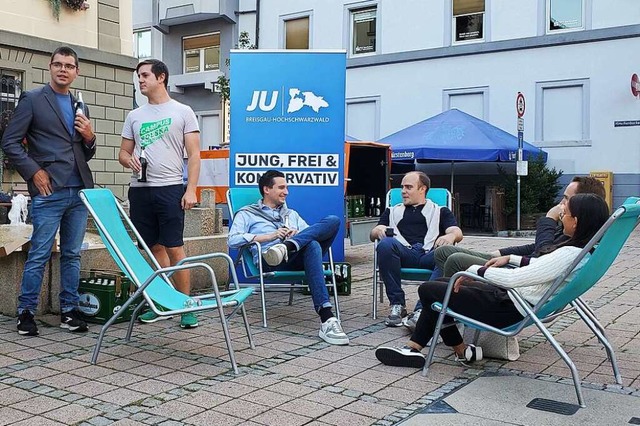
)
(301, 99)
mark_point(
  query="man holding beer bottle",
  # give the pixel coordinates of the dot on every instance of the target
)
(154, 139)
(59, 143)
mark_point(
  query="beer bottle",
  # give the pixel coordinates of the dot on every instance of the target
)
(142, 175)
(79, 103)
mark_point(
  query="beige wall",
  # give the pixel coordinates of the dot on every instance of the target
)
(106, 25)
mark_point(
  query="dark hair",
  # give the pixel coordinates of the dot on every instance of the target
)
(589, 185)
(592, 212)
(65, 51)
(157, 68)
(423, 179)
(267, 179)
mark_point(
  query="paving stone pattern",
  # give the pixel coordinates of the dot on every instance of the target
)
(169, 376)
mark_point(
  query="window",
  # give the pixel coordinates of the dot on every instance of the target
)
(363, 118)
(562, 113)
(201, 53)
(565, 15)
(363, 34)
(468, 20)
(296, 33)
(142, 44)
(210, 133)
(10, 89)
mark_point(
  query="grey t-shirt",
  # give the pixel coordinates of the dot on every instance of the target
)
(160, 129)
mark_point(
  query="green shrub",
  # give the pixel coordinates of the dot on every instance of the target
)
(538, 190)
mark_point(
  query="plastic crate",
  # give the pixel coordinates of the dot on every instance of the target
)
(343, 278)
(102, 293)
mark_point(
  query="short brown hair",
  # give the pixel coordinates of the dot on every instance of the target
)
(65, 51)
(157, 68)
(589, 185)
(423, 179)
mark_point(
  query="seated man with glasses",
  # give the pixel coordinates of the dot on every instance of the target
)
(288, 243)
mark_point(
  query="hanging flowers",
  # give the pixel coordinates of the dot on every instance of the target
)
(56, 5)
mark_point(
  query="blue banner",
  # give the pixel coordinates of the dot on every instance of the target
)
(287, 114)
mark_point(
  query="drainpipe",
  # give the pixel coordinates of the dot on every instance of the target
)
(257, 23)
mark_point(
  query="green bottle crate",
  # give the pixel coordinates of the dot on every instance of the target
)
(102, 293)
(343, 278)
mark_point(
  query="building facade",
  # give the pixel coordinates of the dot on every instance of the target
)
(409, 60)
(101, 35)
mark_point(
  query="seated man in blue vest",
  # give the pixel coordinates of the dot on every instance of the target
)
(289, 244)
(419, 226)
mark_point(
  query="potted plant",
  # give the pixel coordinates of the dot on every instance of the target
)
(538, 193)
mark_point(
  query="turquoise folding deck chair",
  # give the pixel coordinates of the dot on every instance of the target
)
(441, 197)
(604, 248)
(240, 197)
(152, 281)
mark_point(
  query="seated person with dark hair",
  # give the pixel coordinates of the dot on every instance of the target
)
(288, 243)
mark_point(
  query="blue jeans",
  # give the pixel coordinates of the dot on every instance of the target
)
(312, 244)
(62, 209)
(393, 255)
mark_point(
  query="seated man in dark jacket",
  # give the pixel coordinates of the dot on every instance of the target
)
(451, 259)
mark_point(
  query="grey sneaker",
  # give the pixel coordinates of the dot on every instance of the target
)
(332, 333)
(395, 316)
(275, 254)
(411, 320)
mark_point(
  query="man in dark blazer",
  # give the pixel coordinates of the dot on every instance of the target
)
(59, 142)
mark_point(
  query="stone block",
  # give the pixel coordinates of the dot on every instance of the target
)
(108, 13)
(106, 73)
(12, 267)
(96, 165)
(104, 178)
(113, 166)
(95, 84)
(104, 126)
(104, 99)
(87, 69)
(105, 152)
(114, 114)
(125, 76)
(124, 102)
(97, 112)
(107, 29)
(114, 140)
(115, 87)
(201, 221)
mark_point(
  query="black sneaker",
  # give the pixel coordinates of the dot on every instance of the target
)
(73, 321)
(400, 357)
(26, 325)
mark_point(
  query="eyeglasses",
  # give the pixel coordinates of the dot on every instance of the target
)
(60, 65)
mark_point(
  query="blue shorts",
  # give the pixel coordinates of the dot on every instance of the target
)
(156, 212)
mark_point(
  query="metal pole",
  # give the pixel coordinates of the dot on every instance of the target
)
(517, 171)
(518, 202)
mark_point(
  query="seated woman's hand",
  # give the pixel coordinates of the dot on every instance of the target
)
(460, 282)
(497, 261)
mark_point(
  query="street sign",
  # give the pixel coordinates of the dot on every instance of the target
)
(520, 124)
(520, 105)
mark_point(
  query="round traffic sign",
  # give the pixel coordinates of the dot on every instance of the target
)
(635, 85)
(520, 104)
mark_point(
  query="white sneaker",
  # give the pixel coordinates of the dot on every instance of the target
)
(411, 320)
(275, 254)
(331, 332)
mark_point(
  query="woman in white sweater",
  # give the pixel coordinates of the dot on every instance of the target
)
(584, 214)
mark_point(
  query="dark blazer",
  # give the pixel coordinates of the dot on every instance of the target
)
(50, 147)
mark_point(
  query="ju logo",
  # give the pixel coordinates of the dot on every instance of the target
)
(154, 130)
(298, 99)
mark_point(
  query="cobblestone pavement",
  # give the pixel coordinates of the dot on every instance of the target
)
(170, 376)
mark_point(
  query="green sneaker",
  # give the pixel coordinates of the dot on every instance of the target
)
(188, 320)
(151, 317)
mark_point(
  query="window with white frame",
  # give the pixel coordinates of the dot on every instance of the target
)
(296, 33)
(10, 89)
(201, 53)
(210, 130)
(565, 15)
(562, 112)
(363, 30)
(142, 44)
(472, 100)
(468, 20)
(363, 118)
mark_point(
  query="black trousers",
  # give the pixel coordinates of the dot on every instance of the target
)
(477, 300)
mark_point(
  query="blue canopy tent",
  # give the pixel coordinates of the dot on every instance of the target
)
(457, 136)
